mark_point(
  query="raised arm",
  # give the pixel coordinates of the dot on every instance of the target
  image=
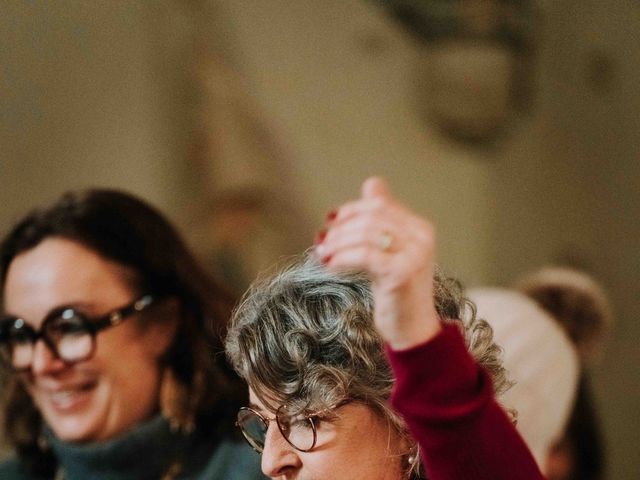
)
(445, 397)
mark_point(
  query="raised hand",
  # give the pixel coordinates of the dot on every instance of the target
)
(380, 236)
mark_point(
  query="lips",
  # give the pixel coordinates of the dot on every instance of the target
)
(68, 398)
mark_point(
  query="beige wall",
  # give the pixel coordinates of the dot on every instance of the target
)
(347, 112)
(603, 136)
(90, 95)
(81, 103)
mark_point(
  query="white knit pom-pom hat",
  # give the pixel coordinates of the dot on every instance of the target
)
(539, 358)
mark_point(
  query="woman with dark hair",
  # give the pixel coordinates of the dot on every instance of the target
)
(112, 340)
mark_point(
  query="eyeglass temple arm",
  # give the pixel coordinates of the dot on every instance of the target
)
(116, 317)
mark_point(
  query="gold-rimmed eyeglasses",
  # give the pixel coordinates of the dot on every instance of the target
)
(298, 429)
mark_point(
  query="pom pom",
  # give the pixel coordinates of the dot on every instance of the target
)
(576, 301)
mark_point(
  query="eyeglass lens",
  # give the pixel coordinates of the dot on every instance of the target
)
(253, 428)
(298, 430)
(68, 334)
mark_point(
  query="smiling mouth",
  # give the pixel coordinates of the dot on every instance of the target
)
(67, 399)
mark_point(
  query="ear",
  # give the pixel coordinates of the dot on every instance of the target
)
(406, 444)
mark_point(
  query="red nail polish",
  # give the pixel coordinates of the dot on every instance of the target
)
(331, 216)
(326, 259)
(320, 236)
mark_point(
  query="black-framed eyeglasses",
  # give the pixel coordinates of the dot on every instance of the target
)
(69, 334)
(299, 430)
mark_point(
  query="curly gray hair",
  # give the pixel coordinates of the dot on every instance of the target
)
(305, 337)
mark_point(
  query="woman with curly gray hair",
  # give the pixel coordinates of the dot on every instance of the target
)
(342, 390)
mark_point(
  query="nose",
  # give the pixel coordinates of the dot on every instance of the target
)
(44, 360)
(278, 457)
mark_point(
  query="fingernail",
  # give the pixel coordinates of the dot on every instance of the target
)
(320, 236)
(326, 259)
(331, 216)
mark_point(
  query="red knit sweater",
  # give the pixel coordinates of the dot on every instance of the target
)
(447, 400)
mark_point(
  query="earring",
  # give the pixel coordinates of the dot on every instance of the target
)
(412, 458)
(43, 443)
(176, 403)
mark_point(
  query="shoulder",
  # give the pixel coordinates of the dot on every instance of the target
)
(11, 469)
(230, 460)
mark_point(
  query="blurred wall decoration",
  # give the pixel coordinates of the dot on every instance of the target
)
(474, 74)
(248, 216)
(243, 217)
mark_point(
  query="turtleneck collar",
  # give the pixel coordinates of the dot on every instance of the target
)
(146, 452)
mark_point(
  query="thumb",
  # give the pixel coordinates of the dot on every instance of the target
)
(374, 187)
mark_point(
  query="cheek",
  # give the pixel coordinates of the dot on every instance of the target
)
(128, 394)
(134, 375)
(131, 374)
(371, 450)
(355, 462)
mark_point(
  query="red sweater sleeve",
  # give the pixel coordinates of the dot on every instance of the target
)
(447, 401)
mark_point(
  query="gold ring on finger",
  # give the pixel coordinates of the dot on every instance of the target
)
(385, 241)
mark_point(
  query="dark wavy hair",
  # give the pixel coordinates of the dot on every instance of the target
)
(127, 230)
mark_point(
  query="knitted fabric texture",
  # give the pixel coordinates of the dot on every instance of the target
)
(539, 358)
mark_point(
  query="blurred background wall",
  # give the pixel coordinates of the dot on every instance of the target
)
(288, 106)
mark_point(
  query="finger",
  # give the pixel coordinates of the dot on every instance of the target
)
(360, 231)
(380, 205)
(359, 258)
(349, 210)
(375, 187)
(369, 228)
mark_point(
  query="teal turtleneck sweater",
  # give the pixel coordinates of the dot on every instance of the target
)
(147, 453)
